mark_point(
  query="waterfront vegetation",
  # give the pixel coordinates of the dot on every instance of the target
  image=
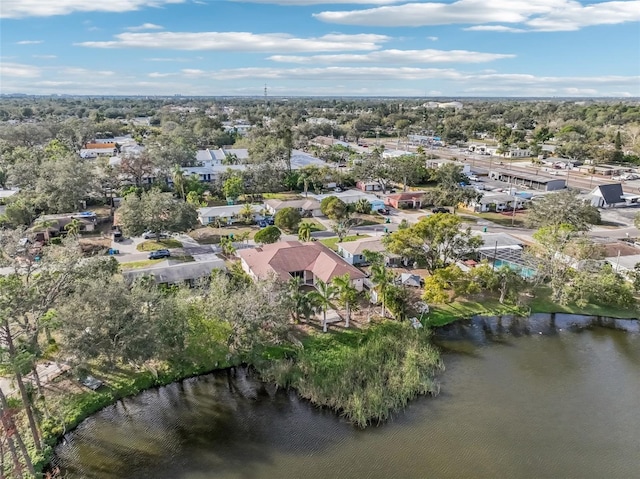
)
(366, 375)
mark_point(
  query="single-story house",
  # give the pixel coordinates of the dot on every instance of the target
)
(55, 224)
(537, 182)
(414, 280)
(174, 273)
(510, 153)
(94, 150)
(353, 251)
(497, 202)
(407, 199)
(436, 163)
(353, 196)
(368, 186)
(306, 206)
(293, 259)
(493, 241)
(226, 214)
(607, 196)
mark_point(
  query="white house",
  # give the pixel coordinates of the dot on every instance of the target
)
(305, 206)
(353, 251)
(353, 196)
(226, 214)
(497, 202)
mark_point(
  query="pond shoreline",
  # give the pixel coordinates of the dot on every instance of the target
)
(478, 328)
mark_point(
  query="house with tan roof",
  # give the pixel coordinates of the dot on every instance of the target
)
(306, 206)
(293, 259)
(353, 251)
(94, 150)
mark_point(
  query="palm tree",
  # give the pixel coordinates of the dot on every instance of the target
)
(304, 231)
(226, 245)
(246, 213)
(321, 298)
(382, 278)
(363, 206)
(73, 227)
(178, 180)
(301, 305)
(346, 294)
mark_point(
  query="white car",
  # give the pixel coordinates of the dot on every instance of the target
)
(473, 177)
(152, 235)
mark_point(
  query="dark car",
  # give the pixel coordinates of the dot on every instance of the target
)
(159, 254)
(440, 210)
(383, 211)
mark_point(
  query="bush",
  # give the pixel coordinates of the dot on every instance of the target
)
(287, 219)
(267, 235)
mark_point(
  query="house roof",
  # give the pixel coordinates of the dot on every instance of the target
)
(173, 273)
(307, 204)
(611, 193)
(225, 211)
(359, 246)
(99, 146)
(350, 196)
(499, 240)
(282, 259)
(406, 195)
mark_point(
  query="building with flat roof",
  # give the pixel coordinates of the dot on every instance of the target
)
(530, 180)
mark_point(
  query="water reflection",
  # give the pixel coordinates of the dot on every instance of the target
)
(528, 407)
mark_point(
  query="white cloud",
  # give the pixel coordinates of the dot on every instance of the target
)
(47, 8)
(433, 39)
(145, 26)
(397, 56)
(29, 42)
(320, 2)
(538, 15)
(241, 42)
(45, 57)
(170, 59)
(19, 70)
(161, 75)
(493, 28)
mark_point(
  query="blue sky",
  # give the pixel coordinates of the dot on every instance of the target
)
(453, 48)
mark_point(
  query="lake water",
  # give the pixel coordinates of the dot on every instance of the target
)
(560, 406)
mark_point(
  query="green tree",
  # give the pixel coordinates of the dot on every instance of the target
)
(304, 231)
(362, 206)
(300, 303)
(346, 294)
(64, 183)
(334, 208)
(178, 181)
(227, 247)
(287, 219)
(270, 234)
(246, 213)
(321, 297)
(157, 212)
(563, 207)
(382, 278)
(233, 187)
(73, 227)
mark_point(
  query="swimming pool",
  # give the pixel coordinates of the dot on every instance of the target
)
(524, 271)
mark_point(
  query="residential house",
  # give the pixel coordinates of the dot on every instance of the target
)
(530, 180)
(48, 226)
(607, 196)
(175, 273)
(353, 196)
(368, 186)
(496, 202)
(94, 150)
(353, 251)
(405, 200)
(307, 207)
(226, 214)
(435, 163)
(291, 259)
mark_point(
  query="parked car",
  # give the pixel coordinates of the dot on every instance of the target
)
(383, 211)
(117, 236)
(159, 254)
(263, 223)
(440, 210)
(152, 235)
(473, 177)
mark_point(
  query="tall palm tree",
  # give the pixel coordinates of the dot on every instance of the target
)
(73, 227)
(346, 294)
(382, 278)
(246, 213)
(178, 180)
(301, 305)
(304, 231)
(321, 297)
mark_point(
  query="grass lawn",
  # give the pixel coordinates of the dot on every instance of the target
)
(541, 303)
(211, 235)
(153, 245)
(370, 220)
(464, 309)
(333, 242)
(145, 263)
(500, 219)
(315, 224)
(283, 196)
